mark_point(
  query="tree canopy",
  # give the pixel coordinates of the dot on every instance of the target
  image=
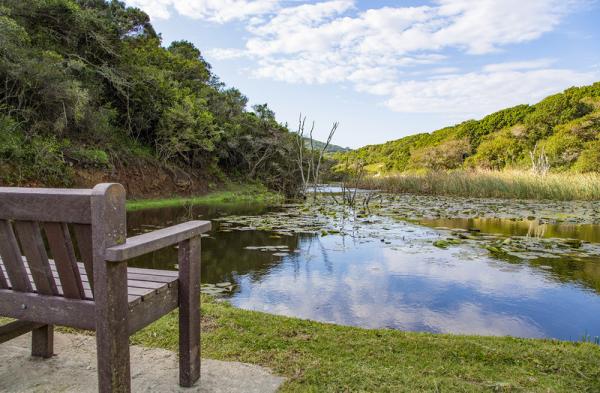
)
(89, 83)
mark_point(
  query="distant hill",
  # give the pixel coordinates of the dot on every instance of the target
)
(565, 127)
(330, 149)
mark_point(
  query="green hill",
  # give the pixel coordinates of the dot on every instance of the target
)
(318, 145)
(564, 127)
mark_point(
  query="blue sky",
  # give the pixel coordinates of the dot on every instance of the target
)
(387, 69)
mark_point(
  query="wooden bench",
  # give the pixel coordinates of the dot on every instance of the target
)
(64, 262)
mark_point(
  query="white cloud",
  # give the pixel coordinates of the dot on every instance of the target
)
(219, 11)
(378, 50)
(479, 93)
(519, 65)
(226, 53)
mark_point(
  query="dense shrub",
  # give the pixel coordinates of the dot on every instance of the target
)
(88, 80)
(589, 159)
(446, 155)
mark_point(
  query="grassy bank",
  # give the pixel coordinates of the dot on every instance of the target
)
(233, 195)
(330, 358)
(490, 184)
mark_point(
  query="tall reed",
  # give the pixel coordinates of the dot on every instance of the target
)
(492, 184)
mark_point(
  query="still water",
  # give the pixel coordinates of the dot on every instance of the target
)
(402, 283)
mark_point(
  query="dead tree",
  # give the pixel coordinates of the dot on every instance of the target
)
(540, 165)
(310, 168)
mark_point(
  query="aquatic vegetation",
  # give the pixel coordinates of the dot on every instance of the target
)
(492, 184)
(218, 289)
(392, 220)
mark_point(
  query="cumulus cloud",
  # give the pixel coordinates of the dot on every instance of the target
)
(401, 53)
(219, 11)
(478, 93)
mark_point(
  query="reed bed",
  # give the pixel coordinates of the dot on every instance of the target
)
(492, 184)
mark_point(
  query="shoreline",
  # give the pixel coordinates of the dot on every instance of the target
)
(239, 194)
(317, 356)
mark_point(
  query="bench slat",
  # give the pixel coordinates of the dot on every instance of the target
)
(37, 258)
(61, 247)
(83, 235)
(3, 282)
(134, 280)
(154, 272)
(11, 255)
(45, 204)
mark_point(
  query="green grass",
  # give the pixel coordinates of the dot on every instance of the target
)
(234, 195)
(492, 184)
(318, 357)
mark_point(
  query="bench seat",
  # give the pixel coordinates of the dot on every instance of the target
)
(142, 284)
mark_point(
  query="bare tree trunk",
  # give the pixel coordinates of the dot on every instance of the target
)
(317, 167)
(310, 167)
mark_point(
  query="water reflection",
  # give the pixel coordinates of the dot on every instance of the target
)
(535, 228)
(406, 284)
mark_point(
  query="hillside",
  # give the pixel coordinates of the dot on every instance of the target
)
(90, 94)
(318, 145)
(564, 127)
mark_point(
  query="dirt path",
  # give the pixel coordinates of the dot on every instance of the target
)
(73, 369)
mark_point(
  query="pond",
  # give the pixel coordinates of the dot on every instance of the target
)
(376, 268)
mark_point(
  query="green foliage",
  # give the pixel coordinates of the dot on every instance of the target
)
(89, 158)
(446, 155)
(563, 124)
(37, 159)
(93, 74)
(498, 150)
(567, 143)
(589, 159)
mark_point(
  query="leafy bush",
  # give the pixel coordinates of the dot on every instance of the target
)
(589, 159)
(89, 158)
(497, 151)
(39, 159)
(446, 155)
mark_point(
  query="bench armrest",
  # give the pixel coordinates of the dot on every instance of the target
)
(155, 240)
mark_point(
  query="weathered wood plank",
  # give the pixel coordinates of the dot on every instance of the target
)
(42, 341)
(149, 310)
(133, 278)
(32, 204)
(3, 282)
(33, 247)
(189, 311)
(11, 256)
(51, 310)
(148, 242)
(110, 283)
(135, 295)
(61, 247)
(83, 234)
(154, 272)
(16, 329)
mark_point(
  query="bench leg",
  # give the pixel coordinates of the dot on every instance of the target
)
(189, 312)
(42, 341)
(112, 332)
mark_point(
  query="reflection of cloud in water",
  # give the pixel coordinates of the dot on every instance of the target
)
(387, 288)
(486, 275)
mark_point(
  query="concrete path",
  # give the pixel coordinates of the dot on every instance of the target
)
(73, 369)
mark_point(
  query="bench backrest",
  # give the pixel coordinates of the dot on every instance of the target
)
(63, 225)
